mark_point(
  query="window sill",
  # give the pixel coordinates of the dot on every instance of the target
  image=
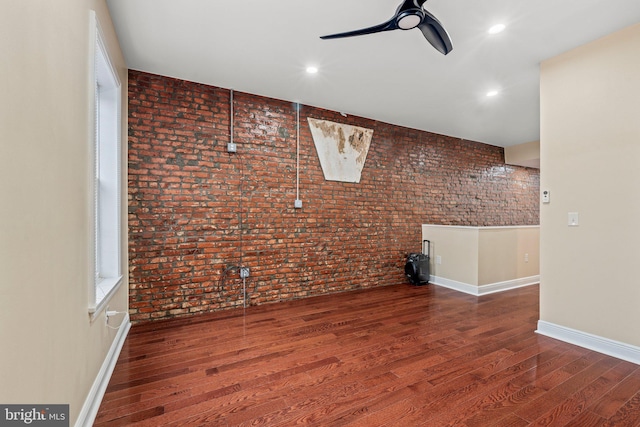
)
(104, 292)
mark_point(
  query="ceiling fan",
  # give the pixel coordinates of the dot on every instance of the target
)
(410, 14)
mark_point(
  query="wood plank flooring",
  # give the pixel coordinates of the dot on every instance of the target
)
(391, 356)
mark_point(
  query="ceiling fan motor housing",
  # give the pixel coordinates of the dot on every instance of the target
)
(410, 14)
(409, 19)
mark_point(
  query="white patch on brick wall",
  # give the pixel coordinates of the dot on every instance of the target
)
(342, 149)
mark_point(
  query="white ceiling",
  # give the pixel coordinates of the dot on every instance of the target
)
(263, 47)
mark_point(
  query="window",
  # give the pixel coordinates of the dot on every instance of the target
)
(106, 186)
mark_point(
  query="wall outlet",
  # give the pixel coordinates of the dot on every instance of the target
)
(438, 259)
(297, 204)
(231, 147)
(526, 257)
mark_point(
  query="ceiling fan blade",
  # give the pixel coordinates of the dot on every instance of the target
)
(386, 26)
(435, 34)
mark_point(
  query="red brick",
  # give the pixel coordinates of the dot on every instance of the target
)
(187, 196)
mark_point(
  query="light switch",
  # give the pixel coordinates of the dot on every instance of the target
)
(573, 219)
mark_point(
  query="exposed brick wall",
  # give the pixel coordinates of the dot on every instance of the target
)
(197, 212)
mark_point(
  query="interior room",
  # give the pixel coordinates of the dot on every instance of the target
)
(210, 223)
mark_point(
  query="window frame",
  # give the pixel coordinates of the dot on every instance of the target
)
(105, 123)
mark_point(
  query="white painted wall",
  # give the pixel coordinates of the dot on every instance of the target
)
(590, 161)
(457, 249)
(508, 253)
(51, 351)
(527, 154)
(483, 259)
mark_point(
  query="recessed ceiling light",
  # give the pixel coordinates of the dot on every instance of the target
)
(492, 93)
(496, 29)
(312, 70)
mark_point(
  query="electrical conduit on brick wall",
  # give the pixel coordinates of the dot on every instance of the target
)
(185, 199)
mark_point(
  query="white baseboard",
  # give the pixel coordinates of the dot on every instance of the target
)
(509, 284)
(94, 398)
(452, 284)
(602, 345)
(484, 289)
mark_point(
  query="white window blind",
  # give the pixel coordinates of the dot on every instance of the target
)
(106, 165)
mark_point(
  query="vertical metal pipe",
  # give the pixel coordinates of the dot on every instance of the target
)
(231, 116)
(231, 140)
(297, 151)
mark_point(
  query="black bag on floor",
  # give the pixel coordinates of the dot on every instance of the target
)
(417, 268)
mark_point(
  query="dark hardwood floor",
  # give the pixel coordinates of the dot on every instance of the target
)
(397, 356)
